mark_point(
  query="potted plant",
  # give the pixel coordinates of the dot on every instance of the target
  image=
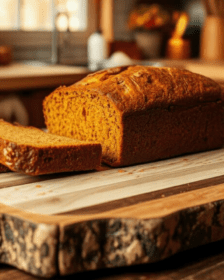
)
(148, 22)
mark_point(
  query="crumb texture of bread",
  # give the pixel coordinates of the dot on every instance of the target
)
(140, 113)
(85, 116)
(32, 151)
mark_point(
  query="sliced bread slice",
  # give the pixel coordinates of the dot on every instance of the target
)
(32, 151)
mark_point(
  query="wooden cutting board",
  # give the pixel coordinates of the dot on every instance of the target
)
(68, 223)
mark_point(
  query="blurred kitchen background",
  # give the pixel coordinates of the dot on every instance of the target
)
(48, 43)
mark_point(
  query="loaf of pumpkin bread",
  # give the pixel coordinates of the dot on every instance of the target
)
(140, 113)
(32, 151)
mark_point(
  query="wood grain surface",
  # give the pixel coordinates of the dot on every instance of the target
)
(77, 222)
(54, 195)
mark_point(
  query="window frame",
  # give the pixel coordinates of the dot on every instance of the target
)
(20, 38)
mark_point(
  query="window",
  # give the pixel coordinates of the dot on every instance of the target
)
(28, 25)
(8, 14)
(41, 15)
(72, 15)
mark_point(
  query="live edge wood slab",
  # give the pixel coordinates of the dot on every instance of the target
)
(69, 223)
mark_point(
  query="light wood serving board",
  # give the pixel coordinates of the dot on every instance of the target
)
(68, 223)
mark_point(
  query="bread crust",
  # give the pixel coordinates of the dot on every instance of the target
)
(3, 168)
(138, 88)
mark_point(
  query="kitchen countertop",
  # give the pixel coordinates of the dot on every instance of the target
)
(211, 69)
(34, 75)
(22, 76)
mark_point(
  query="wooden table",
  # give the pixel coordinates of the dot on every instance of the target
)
(161, 220)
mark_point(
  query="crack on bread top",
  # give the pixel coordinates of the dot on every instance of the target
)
(136, 88)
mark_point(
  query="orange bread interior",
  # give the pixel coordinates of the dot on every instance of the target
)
(86, 116)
